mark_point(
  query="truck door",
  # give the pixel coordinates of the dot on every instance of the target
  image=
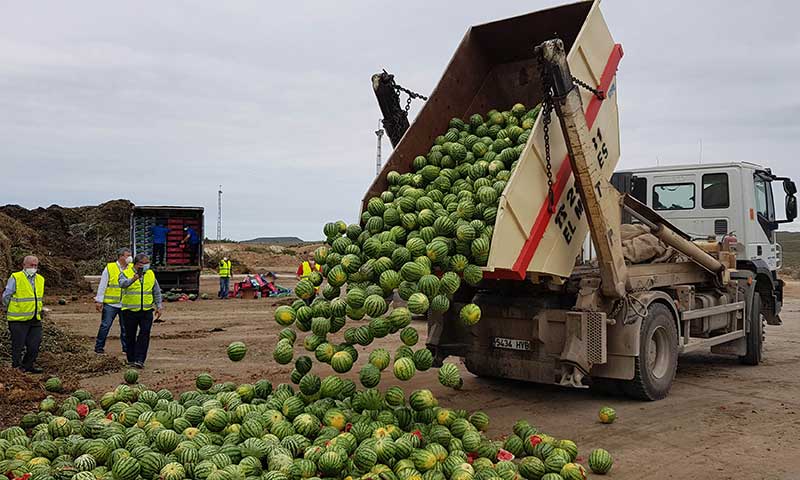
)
(762, 245)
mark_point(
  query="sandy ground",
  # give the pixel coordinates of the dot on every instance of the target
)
(721, 420)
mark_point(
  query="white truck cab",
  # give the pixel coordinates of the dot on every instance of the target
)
(724, 199)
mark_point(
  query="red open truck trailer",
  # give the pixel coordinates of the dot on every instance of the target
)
(178, 273)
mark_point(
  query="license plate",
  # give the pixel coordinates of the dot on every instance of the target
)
(511, 343)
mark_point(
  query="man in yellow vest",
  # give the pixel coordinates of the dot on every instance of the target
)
(23, 297)
(109, 299)
(224, 278)
(141, 295)
(305, 269)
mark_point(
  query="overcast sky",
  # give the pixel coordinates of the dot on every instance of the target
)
(159, 102)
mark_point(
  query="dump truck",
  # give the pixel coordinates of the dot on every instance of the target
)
(180, 269)
(623, 318)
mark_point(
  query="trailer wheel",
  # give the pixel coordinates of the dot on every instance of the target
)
(654, 368)
(755, 339)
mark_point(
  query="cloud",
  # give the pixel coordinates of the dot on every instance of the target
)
(160, 102)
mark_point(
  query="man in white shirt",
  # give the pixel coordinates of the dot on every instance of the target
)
(109, 299)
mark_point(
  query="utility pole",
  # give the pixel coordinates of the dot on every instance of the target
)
(219, 214)
(379, 133)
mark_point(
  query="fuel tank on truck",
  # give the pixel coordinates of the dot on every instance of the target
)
(494, 68)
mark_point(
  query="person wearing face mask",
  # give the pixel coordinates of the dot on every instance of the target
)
(224, 278)
(23, 298)
(140, 296)
(109, 300)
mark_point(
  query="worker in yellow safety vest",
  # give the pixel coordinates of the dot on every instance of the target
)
(141, 295)
(108, 300)
(23, 297)
(224, 277)
(305, 269)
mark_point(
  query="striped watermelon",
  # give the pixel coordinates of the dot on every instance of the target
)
(126, 468)
(440, 304)
(320, 326)
(375, 305)
(423, 359)
(310, 383)
(573, 471)
(409, 336)
(285, 315)
(379, 358)
(341, 362)
(473, 274)
(449, 376)
(436, 251)
(607, 415)
(370, 376)
(283, 352)
(429, 285)
(404, 368)
(413, 271)
(418, 303)
(600, 461)
(470, 314)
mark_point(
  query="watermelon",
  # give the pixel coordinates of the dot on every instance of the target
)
(607, 415)
(423, 359)
(600, 461)
(449, 376)
(131, 376)
(473, 275)
(370, 375)
(236, 351)
(341, 362)
(53, 384)
(375, 305)
(285, 315)
(418, 303)
(573, 471)
(470, 314)
(404, 368)
(379, 358)
(409, 336)
(283, 352)
(305, 289)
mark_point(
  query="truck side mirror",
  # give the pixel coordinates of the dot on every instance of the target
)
(789, 187)
(791, 207)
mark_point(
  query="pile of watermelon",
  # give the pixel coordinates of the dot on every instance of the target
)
(325, 430)
(424, 236)
(422, 239)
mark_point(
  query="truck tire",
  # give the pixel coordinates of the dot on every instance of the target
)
(754, 339)
(654, 368)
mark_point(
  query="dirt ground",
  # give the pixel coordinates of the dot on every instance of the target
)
(721, 420)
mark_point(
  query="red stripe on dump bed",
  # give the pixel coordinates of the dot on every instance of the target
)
(562, 176)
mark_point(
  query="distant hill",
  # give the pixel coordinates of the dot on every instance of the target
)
(276, 240)
(790, 242)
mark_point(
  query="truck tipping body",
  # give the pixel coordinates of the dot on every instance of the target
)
(494, 67)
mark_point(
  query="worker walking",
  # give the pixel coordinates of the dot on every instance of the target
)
(109, 300)
(305, 269)
(191, 240)
(159, 244)
(224, 277)
(308, 266)
(140, 296)
(23, 297)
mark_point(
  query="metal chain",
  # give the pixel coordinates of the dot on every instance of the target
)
(597, 92)
(411, 95)
(547, 108)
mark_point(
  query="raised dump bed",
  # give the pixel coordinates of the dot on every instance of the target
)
(494, 67)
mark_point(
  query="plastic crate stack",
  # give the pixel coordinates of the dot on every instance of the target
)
(142, 235)
(177, 255)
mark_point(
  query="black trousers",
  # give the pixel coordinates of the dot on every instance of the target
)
(25, 336)
(159, 251)
(137, 333)
(193, 249)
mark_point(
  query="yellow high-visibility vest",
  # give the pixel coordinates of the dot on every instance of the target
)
(26, 303)
(113, 293)
(139, 294)
(307, 269)
(225, 268)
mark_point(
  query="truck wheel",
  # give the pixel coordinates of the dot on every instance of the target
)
(755, 339)
(654, 368)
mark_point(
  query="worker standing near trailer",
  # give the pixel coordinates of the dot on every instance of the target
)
(224, 277)
(191, 241)
(141, 295)
(108, 301)
(23, 296)
(159, 244)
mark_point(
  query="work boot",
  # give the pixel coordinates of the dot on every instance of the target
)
(33, 370)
